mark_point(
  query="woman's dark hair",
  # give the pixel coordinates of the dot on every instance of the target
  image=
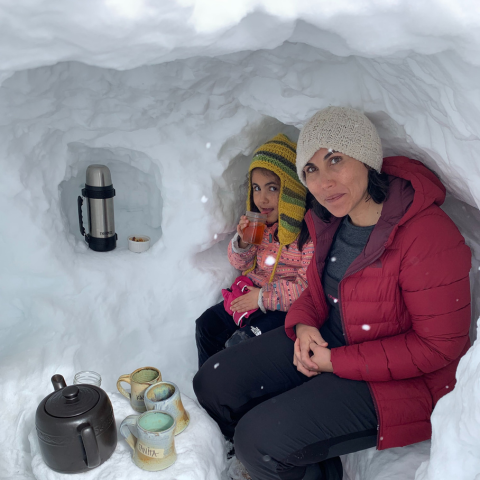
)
(304, 235)
(377, 190)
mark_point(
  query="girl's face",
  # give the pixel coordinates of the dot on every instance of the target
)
(338, 182)
(266, 191)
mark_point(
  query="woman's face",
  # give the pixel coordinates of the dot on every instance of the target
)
(338, 182)
(266, 190)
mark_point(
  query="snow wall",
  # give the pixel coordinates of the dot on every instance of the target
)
(174, 99)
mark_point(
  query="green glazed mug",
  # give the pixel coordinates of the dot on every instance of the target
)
(152, 438)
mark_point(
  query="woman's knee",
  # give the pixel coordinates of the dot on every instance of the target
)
(205, 384)
(202, 322)
(263, 445)
(214, 380)
(207, 328)
(247, 444)
(255, 432)
(255, 441)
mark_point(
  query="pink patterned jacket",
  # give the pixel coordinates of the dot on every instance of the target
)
(290, 278)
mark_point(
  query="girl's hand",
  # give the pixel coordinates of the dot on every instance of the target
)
(246, 302)
(307, 336)
(240, 228)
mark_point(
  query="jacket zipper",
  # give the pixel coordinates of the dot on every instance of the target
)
(377, 412)
(340, 284)
(312, 228)
(348, 341)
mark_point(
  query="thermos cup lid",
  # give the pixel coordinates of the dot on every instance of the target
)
(98, 176)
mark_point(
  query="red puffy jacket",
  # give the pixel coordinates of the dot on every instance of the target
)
(405, 303)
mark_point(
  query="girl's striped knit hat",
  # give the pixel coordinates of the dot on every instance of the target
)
(279, 156)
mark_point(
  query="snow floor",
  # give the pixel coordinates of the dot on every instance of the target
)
(200, 451)
(202, 455)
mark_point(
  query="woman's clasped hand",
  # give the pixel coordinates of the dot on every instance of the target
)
(311, 355)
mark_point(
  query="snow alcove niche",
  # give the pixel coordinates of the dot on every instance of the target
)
(174, 97)
(138, 201)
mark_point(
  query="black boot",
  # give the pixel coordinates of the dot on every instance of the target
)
(314, 472)
(330, 469)
(238, 337)
(230, 447)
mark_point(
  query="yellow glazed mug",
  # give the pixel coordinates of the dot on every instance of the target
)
(139, 381)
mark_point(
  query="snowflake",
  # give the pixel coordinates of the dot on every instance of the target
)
(216, 366)
(366, 327)
(204, 199)
(208, 145)
(270, 260)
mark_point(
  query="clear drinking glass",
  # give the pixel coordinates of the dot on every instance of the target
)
(254, 232)
(88, 377)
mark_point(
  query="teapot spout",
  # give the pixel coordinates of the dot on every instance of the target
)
(58, 382)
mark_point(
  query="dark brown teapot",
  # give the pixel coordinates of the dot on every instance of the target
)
(75, 427)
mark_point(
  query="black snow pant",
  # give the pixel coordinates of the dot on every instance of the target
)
(282, 421)
(215, 327)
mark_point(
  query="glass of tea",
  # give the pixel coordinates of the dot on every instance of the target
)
(253, 233)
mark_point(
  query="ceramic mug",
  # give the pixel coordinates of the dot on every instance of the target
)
(166, 396)
(139, 381)
(151, 436)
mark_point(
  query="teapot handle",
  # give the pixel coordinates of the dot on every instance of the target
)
(130, 421)
(90, 445)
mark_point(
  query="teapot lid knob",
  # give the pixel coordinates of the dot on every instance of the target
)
(70, 393)
(72, 401)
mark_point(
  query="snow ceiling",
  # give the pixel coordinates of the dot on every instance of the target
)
(174, 96)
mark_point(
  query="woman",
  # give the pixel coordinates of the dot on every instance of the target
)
(375, 338)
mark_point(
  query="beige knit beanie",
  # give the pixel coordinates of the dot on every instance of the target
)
(341, 129)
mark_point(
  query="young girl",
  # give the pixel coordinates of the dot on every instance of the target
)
(277, 267)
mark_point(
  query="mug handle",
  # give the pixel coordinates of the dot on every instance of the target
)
(126, 379)
(130, 421)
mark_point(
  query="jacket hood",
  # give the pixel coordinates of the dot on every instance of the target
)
(413, 188)
(428, 189)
